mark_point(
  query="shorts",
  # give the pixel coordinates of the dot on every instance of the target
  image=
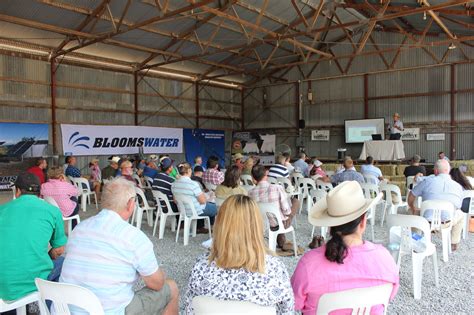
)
(148, 301)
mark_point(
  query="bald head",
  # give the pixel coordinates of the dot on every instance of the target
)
(442, 167)
(348, 164)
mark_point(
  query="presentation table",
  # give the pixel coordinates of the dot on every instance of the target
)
(385, 150)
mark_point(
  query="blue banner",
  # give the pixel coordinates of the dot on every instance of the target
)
(204, 143)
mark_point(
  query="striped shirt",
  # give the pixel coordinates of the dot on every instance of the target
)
(162, 183)
(186, 186)
(278, 170)
(106, 255)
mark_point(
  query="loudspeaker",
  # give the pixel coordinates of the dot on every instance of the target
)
(301, 124)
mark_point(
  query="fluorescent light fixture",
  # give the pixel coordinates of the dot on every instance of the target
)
(452, 46)
(172, 74)
(24, 49)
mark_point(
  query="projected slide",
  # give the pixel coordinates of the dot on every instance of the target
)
(360, 130)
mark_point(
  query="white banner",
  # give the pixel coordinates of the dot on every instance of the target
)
(110, 140)
(435, 137)
(410, 134)
(319, 135)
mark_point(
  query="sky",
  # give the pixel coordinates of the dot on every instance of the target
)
(11, 133)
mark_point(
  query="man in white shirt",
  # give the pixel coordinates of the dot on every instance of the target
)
(300, 165)
(396, 127)
(107, 255)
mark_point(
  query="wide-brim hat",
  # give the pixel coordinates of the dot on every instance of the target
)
(115, 159)
(238, 156)
(343, 204)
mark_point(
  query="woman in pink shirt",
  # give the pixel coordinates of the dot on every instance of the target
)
(64, 193)
(346, 261)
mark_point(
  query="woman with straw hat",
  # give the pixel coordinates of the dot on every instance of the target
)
(346, 261)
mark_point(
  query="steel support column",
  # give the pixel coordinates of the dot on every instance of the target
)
(135, 97)
(366, 96)
(297, 104)
(53, 69)
(453, 102)
(197, 103)
(242, 110)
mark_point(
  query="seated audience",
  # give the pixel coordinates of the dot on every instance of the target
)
(341, 264)
(151, 169)
(212, 175)
(39, 169)
(440, 186)
(462, 180)
(287, 163)
(415, 168)
(231, 184)
(64, 193)
(248, 164)
(348, 174)
(317, 170)
(370, 169)
(442, 156)
(71, 169)
(238, 266)
(198, 161)
(264, 192)
(28, 225)
(237, 160)
(278, 169)
(341, 168)
(126, 171)
(174, 172)
(464, 169)
(110, 171)
(197, 176)
(163, 181)
(107, 255)
(96, 177)
(186, 186)
(300, 165)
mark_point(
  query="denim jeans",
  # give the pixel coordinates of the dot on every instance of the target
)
(209, 211)
(57, 267)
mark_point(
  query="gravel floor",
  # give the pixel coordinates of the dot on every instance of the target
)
(453, 296)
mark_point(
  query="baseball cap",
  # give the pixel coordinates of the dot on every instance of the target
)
(198, 168)
(28, 183)
(166, 162)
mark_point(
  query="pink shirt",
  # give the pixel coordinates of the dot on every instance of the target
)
(366, 265)
(61, 192)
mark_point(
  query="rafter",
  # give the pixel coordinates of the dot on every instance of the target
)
(300, 14)
(259, 19)
(438, 20)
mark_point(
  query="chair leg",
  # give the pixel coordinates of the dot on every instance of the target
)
(21, 310)
(466, 226)
(194, 227)
(445, 244)
(312, 232)
(295, 246)
(272, 237)
(417, 262)
(161, 232)
(139, 218)
(177, 230)
(156, 223)
(96, 203)
(209, 223)
(83, 203)
(173, 223)
(186, 231)
(435, 267)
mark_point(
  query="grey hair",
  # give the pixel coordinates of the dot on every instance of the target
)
(117, 193)
(302, 155)
(442, 166)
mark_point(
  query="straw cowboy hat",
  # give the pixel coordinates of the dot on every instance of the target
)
(343, 204)
(237, 156)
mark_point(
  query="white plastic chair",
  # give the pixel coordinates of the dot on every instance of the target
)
(69, 219)
(246, 180)
(288, 186)
(248, 187)
(324, 186)
(148, 182)
(360, 300)
(63, 294)
(20, 304)
(390, 206)
(371, 179)
(272, 180)
(185, 202)
(306, 185)
(438, 206)
(330, 173)
(137, 180)
(295, 178)
(409, 185)
(371, 212)
(207, 305)
(140, 208)
(407, 223)
(273, 208)
(470, 213)
(159, 196)
(82, 185)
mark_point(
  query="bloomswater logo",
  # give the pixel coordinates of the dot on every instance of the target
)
(76, 140)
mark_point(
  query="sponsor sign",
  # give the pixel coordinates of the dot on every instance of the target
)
(435, 137)
(319, 135)
(410, 134)
(261, 146)
(204, 143)
(109, 140)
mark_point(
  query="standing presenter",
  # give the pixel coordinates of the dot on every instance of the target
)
(395, 127)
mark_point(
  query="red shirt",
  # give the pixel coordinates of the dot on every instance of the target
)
(36, 170)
